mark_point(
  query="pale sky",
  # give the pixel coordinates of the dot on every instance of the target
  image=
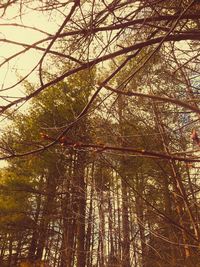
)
(25, 62)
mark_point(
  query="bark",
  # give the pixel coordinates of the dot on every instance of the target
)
(179, 193)
(125, 226)
(68, 220)
(140, 218)
(45, 219)
(34, 238)
(81, 208)
(125, 196)
(89, 233)
(101, 249)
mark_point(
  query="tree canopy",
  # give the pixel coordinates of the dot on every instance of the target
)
(100, 135)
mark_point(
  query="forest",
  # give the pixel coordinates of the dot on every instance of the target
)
(100, 133)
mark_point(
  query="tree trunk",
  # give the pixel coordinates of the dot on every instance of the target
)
(140, 218)
(125, 226)
(45, 219)
(79, 176)
(125, 196)
(34, 238)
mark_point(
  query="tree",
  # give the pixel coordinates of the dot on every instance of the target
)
(105, 169)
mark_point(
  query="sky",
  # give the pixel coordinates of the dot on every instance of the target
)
(10, 72)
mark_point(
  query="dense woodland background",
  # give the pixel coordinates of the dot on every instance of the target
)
(101, 149)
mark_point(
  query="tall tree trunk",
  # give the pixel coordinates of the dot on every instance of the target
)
(101, 248)
(125, 196)
(45, 219)
(89, 233)
(80, 202)
(140, 218)
(180, 195)
(34, 238)
(68, 218)
(125, 226)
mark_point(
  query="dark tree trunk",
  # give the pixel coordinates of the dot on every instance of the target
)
(125, 226)
(81, 208)
(45, 218)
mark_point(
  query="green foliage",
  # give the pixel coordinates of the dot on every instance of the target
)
(52, 109)
(14, 200)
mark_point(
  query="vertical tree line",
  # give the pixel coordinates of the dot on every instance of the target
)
(100, 138)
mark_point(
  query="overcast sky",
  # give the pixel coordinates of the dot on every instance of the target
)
(25, 62)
